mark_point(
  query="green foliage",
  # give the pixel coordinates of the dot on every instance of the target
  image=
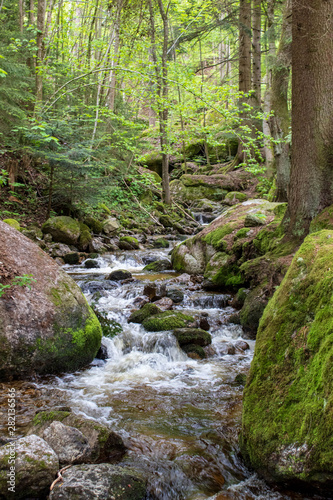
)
(25, 280)
(110, 327)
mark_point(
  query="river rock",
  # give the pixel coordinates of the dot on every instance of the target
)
(100, 482)
(71, 258)
(165, 304)
(119, 275)
(287, 417)
(131, 243)
(168, 320)
(105, 445)
(194, 351)
(192, 336)
(175, 295)
(59, 250)
(155, 291)
(63, 229)
(145, 312)
(110, 226)
(148, 259)
(70, 444)
(161, 243)
(159, 265)
(97, 245)
(35, 467)
(49, 328)
(91, 263)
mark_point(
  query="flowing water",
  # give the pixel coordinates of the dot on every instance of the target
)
(179, 417)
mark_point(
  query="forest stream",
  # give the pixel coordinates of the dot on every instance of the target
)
(179, 417)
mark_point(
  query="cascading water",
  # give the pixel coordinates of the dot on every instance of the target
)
(179, 417)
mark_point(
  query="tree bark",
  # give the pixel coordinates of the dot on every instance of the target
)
(311, 181)
(256, 43)
(280, 122)
(21, 16)
(40, 37)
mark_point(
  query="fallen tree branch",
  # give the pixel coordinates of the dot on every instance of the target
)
(59, 478)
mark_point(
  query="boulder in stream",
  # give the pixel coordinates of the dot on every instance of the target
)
(70, 444)
(158, 266)
(119, 275)
(168, 320)
(192, 336)
(46, 329)
(145, 312)
(100, 482)
(34, 468)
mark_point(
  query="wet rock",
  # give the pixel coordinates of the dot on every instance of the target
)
(145, 312)
(59, 250)
(35, 468)
(133, 242)
(140, 302)
(159, 265)
(72, 258)
(148, 259)
(241, 344)
(161, 243)
(98, 286)
(70, 444)
(240, 379)
(91, 263)
(203, 323)
(234, 319)
(252, 310)
(102, 353)
(110, 226)
(194, 351)
(100, 482)
(62, 229)
(155, 291)
(49, 328)
(165, 304)
(119, 275)
(97, 245)
(192, 336)
(175, 295)
(105, 444)
(168, 320)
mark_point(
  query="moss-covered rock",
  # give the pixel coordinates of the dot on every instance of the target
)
(192, 336)
(110, 226)
(131, 241)
(324, 220)
(161, 243)
(85, 237)
(194, 351)
(94, 224)
(287, 431)
(168, 320)
(63, 229)
(13, 223)
(145, 312)
(234, 197)
(49, 328)
(158, 266)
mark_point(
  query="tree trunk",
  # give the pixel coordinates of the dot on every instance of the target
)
(244, 82)
(21, 16)
(256, 42)
(40, 36)
(280, 122)
(115, 57)
(311, 181)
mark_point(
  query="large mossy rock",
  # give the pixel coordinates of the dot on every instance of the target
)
(168, 320)
(63, 229)
(214, 187)
(49, 328)
(287, 431)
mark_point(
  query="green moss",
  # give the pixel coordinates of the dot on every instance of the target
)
(49, 416)
(145, 312)
(13, 223)
(324, 220)
(197, 350)
(132, 241)
(242, 233)
(104, 208)
(223, 271)
(214, 238)
(192, 336)
(85, 236)
(288, 400)
(94, 224)
(161, 243)
(168, 320)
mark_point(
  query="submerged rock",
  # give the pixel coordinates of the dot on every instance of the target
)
(35, 467)
(49, 328)
(100, 482)
(288, 403)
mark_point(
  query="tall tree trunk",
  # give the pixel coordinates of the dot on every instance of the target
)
(311, 180)
(280, 122)
(21, 16)
(40, 37)
(244, 82)
(32, 12)
(115, 57)
(256, 42)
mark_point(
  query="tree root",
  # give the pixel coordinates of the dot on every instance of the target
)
(59, 478)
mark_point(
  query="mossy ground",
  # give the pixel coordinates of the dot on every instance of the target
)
(288, 399)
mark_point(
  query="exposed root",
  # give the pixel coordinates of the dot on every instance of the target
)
(59, 478)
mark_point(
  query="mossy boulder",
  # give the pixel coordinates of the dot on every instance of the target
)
(153, 161)
(194, 351)
(145, 312)
(13, 223)
(85, 237)
(33, 470)
(324, 220)
(94, 224)
(63, 229)
(110, 226)
(234, 197)
(158, 266)
(49, 328)
(168, 320)
(132, 243)
(192, 336)
(161, 243)
(287, 429)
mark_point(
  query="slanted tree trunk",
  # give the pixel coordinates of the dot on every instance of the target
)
(280, 122)
(311, 180)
